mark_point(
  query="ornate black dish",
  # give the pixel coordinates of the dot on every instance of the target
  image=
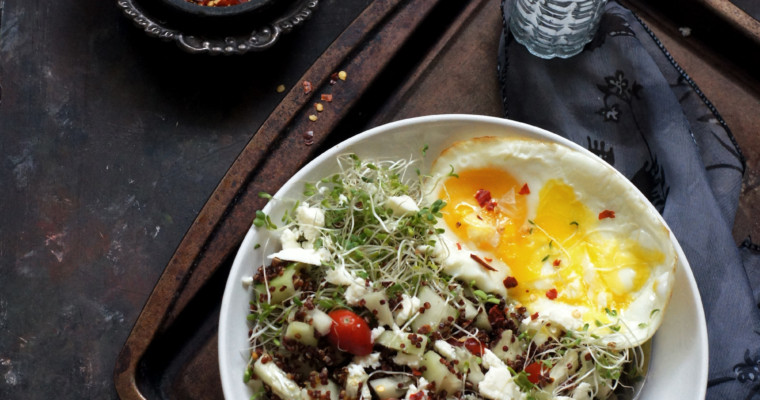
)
(251, 26)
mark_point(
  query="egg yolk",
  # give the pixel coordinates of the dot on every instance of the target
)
(561, 252)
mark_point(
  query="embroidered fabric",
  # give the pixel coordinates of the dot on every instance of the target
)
(628, 101)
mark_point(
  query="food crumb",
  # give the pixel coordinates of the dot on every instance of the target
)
(342, 75)
(280, 88)
(685, 31)
(312, 117)
(319, 107)
(306, 87)
(327, 98)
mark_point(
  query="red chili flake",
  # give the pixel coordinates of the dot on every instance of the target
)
(483, 197)
(510, 282)
(488, 259)
(334, 78)
(534, 316)
(551, 293)
(606, 214)
(524, 190)
(474, 346)
(308, 138)
(479, 217)
(491, 205)
(459, 246)
(326, 97)
(417, 396)
(482, 262)
(306, 87)
(556, 262)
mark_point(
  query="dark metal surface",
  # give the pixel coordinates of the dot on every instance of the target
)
(111, 144)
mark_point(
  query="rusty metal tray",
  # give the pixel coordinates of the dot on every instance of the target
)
(397, 53)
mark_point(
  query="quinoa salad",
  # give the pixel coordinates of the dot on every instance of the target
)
(354, 304)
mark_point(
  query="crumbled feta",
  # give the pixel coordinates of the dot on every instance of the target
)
(415, 389)
(446, 350)
(369, 361)
(298, 243)
(356, 292)
(376, 332)
(357, 377)
(498, 384)
(410, 360)
(401, 205)
(247, 281)
(407, 307)
(339, 276)
(289, 239)
(309, 220)
(491, 360)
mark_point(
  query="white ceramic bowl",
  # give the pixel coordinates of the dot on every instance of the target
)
(678, 367)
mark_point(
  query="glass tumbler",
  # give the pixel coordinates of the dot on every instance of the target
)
(555, 28)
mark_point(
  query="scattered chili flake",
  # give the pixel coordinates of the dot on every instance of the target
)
(334, 78)
(483, 197)
(474, 346)
(417, 396)
(308, 138)
(510, 282)
(459, 246)
(342, 75)
(491, 205)
(280, 88)
(482, 262)
(306, 87)
(524, 190)
(551, 294)
(606, 214)
(458, 224)
(556, 262)
(534, 316)
(312, 117)
(319, 107)
(488, 259)
(326, 97)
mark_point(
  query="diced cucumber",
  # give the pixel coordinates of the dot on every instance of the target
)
(508, 348)
(437, 312)
(399, 340)
(390, 387)
(276, 379)
(467, 363)
(320, 389)
(301, 332)
(280, 287)
(436, 371)
(319, 320)
(377, 302)
(482, 322)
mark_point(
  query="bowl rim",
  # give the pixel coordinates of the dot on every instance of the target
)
(195, 9)
(699, 373)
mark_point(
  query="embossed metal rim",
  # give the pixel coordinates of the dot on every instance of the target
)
(261, 37)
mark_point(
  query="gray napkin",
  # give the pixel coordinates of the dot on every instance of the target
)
(627, 101)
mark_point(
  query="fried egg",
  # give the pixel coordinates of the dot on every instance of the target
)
(554, 230)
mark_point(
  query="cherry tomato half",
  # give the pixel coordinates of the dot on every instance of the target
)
(350, 333)
(535, 370)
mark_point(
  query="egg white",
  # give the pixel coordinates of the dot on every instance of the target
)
(599, 187)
